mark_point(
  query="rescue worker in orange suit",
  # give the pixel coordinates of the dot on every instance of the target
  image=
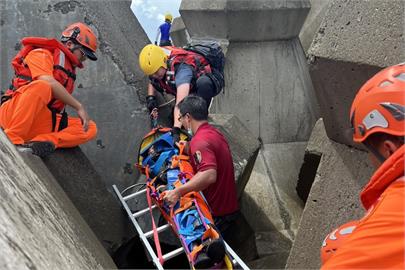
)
(177, 72)
(378, 239)
(32, 110)
(212, 162)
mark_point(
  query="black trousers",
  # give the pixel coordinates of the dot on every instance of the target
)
(226, 225)
(205, 88)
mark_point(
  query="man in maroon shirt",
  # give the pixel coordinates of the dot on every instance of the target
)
(212, 162)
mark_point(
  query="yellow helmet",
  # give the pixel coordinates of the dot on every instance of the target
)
(168, 17)
(151, 58)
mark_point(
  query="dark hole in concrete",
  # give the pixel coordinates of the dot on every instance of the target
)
(307, 174)
(133, 255)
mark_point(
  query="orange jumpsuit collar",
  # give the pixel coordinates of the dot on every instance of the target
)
(388, 172)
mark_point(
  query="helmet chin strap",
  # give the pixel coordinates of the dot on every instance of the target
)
(374, 151)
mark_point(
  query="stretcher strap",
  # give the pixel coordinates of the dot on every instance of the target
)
(155, 232)
(195, 251)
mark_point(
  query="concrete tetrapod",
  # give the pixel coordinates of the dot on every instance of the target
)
(40, 227)
(354, 41)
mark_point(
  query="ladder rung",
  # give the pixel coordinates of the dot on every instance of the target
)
(143, 211)
(133, 195)
(173, 253)
(159, 229)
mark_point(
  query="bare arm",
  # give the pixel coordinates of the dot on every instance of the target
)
(182, 91)
(151, 90)
(199, 182)
(59, 92)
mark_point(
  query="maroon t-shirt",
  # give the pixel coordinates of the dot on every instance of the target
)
(209, 150)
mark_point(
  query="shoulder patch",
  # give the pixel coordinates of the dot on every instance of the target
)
(197, 157)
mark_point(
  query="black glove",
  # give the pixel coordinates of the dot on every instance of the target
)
(151, 102)
(176, 134)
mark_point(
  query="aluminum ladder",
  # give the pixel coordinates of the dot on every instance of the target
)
(236, 261)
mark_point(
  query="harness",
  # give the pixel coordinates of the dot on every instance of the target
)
(64, 72)
(179, 56)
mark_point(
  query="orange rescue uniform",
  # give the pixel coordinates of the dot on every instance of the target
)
(378, 241)
(26, 117)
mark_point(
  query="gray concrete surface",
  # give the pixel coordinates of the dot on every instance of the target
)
(39, 226)
(312, 22)
(273, 248)
(271, 189)
(268, 87)
(86, 189)
(336, 84)
(243, 20)
(270, 203)
(178, 33)
(112, 89)
(355, 40)
(334, 196)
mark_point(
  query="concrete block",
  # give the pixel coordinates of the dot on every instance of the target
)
(244, 146)
(334, 196)
(283, 162)
(273, 248)
(178, 33)
(273, 261)
(355, 40)
(205, 18)
(112, 89)
(270, 202)
(39, 226)
(86, 189)
(312, 22)
(243, 20)
(272, 79)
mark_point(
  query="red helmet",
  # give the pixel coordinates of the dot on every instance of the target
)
(379, 106)
(84, 36)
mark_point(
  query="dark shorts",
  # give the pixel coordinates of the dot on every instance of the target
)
(205, 88)
(226, 223)
(165, 43)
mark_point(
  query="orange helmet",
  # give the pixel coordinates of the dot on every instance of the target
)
(379, 106)
(83, 35)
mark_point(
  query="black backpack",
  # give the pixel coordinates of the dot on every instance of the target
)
(213, 53)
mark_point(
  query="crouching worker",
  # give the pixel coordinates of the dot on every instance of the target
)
(378, 121)
(32, 109)
(181, 72)
(213, 166)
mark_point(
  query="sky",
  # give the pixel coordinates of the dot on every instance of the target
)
(150, 13)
